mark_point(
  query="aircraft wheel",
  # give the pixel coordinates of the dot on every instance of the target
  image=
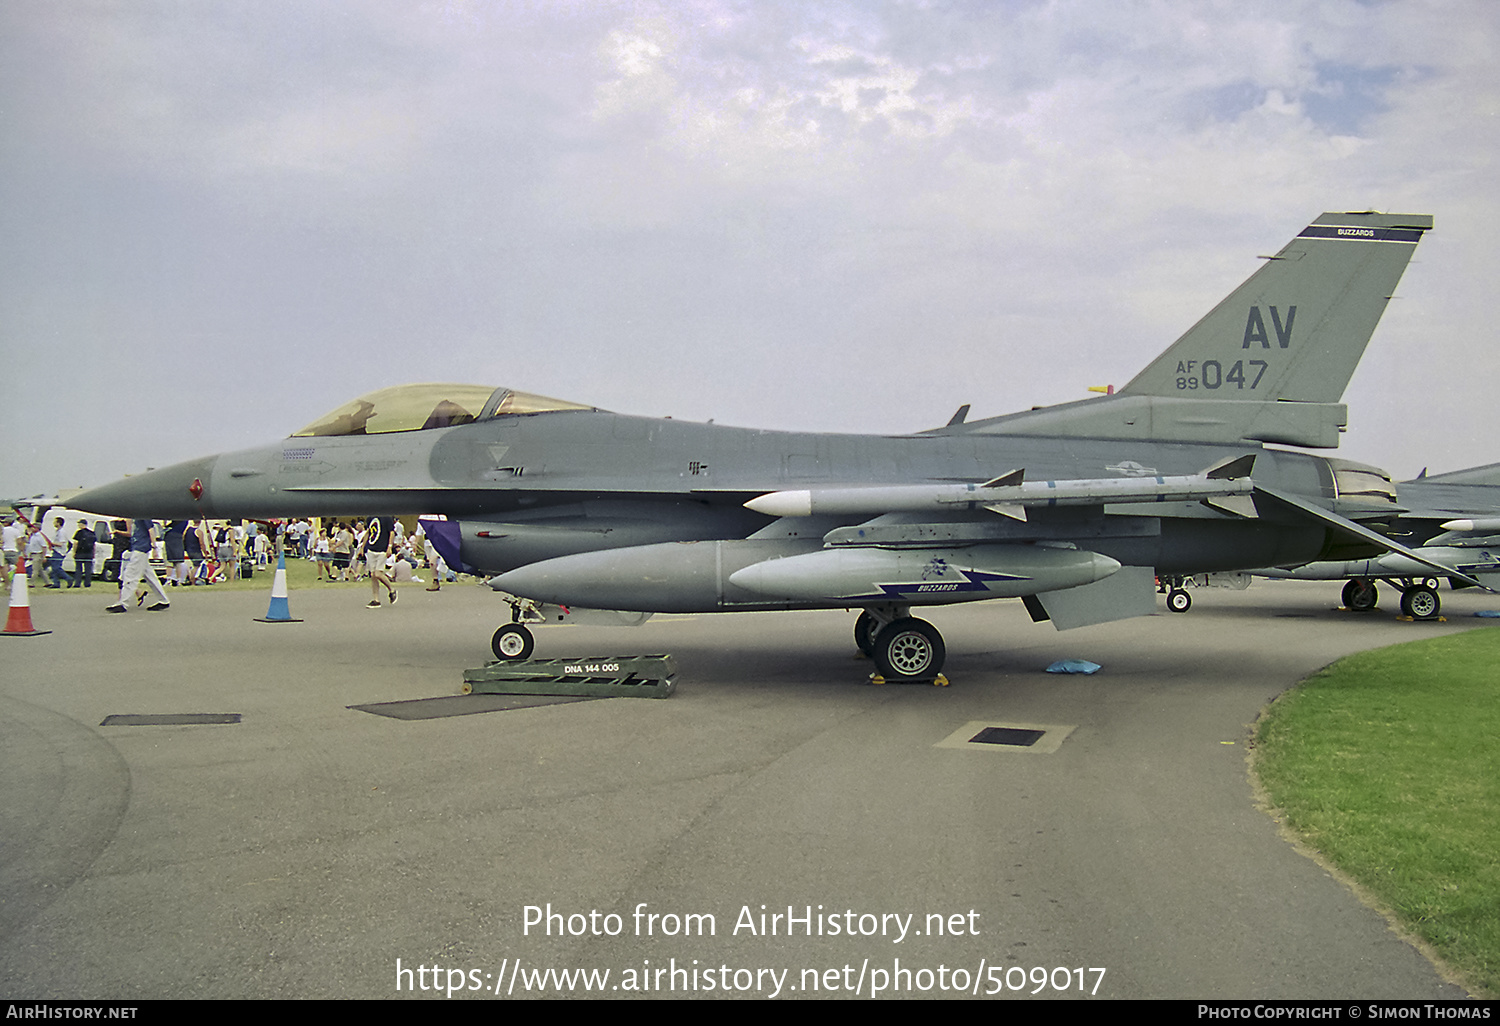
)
(1179, 601)
(512, 642)
(909, 649)
(865, 629)
(1360, 596)
(1420, 602)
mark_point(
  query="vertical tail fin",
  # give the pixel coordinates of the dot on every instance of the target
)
(1297, 328)
(1270, 362)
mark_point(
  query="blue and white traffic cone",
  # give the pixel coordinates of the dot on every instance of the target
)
(279, 612)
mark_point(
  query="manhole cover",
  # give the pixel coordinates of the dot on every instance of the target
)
(1018, 738)
(1007, 736)
(167, 719)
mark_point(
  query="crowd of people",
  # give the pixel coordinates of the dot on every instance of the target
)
(201, 552)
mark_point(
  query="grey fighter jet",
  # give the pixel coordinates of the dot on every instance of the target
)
(1449, 519)
(1073, 508)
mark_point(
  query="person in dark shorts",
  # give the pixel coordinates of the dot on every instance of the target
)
(193, 551)
(342, 545)
(172, 541)
(119, 544)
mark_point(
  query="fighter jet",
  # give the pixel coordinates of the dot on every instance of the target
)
(1073, 508)
(1451, 520)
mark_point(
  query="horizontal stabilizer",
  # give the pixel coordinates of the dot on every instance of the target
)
(1349, 527)
(1487, 475)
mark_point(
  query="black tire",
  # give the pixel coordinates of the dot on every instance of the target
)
(1421, 603)
(1179, 601)
(1360, 596)
(512, 642)
(865, 629)
(909, 649)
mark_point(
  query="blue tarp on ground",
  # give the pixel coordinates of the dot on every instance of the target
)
(1073, 666)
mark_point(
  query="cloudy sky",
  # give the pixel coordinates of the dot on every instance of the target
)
(220, 220)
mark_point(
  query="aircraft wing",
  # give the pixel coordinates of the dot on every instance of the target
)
(923, 544)
(1465, 503)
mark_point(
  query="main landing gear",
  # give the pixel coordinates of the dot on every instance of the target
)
(905, 649)
(1420, 602)
(1419, 596)
(1360, 595)
(1178, 600)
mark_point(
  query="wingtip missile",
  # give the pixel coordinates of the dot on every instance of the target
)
(1008, 490)
(1484, 524)
(783, 504)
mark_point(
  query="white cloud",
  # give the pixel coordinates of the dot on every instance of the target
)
(721, 209)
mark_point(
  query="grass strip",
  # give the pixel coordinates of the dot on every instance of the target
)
(1388, 764)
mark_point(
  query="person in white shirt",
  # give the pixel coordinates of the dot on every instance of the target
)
(10, 541)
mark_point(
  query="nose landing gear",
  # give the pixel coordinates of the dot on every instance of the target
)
(512, 642)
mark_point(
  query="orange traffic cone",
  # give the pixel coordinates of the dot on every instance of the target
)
(18, 622)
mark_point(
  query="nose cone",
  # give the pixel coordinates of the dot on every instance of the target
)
(1102, 565)
(170, 493)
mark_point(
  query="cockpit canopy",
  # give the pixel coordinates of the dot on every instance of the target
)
(419, 407)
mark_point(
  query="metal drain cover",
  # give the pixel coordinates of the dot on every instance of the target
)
(1019, 738)
(1008, 736)
(167, 719)
(460, 705)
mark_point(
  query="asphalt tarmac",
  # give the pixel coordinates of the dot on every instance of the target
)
(313, 849)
